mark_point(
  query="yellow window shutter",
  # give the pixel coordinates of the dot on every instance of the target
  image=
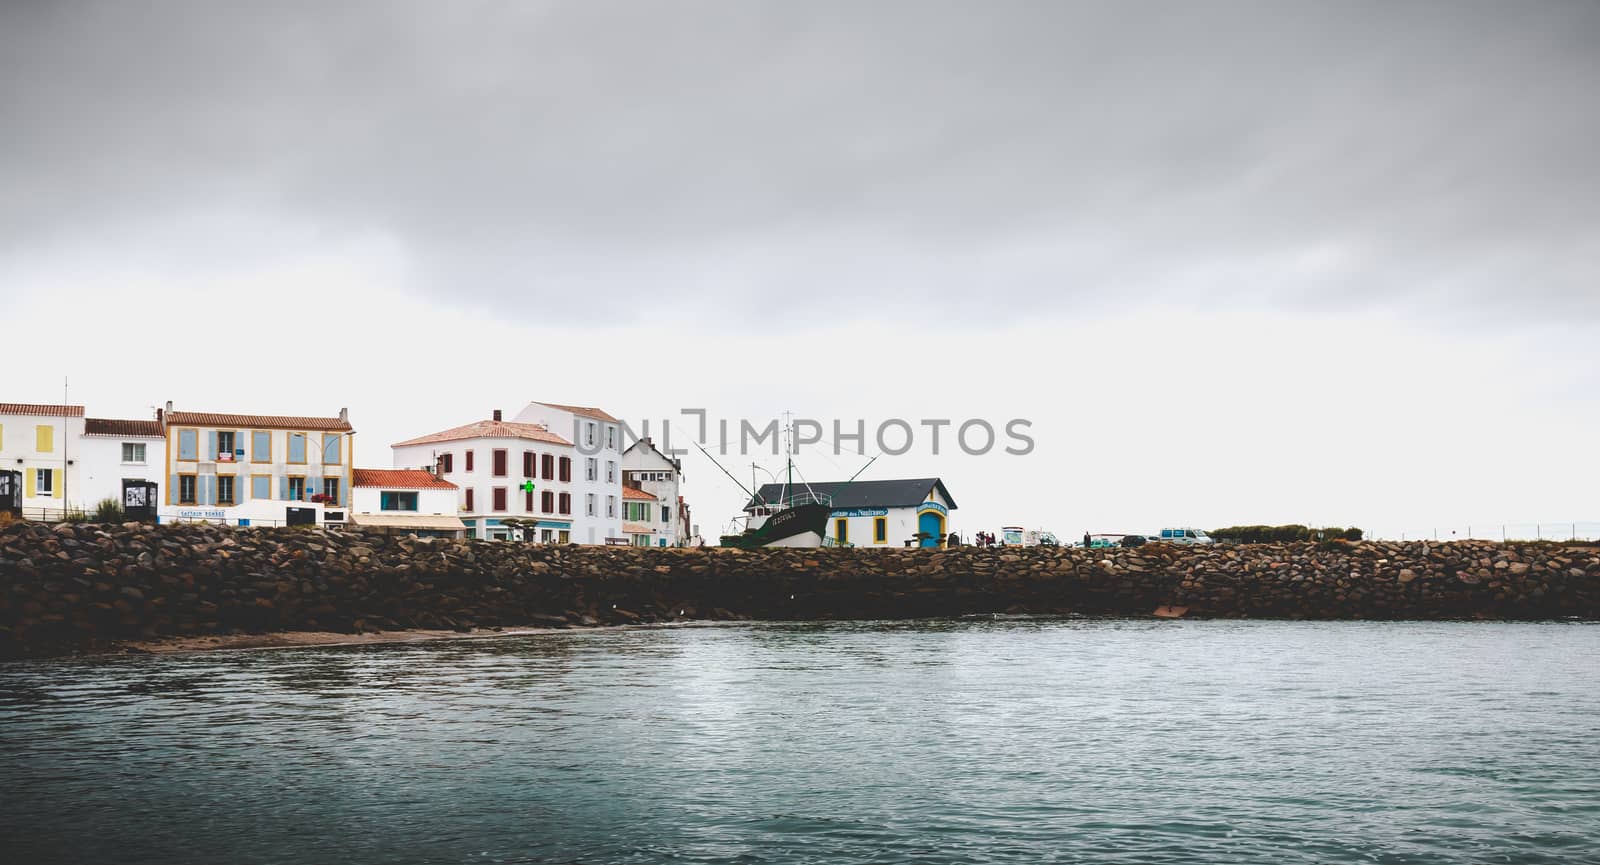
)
(55, 482)
(27, 482)
(2, 436)
(45, 436)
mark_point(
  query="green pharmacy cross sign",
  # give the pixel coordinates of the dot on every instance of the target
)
(527, 486)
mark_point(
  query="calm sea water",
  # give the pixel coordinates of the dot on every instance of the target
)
(969, 741)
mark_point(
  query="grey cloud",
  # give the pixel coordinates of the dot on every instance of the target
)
(772, 158)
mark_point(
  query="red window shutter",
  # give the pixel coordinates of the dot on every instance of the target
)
(499, 498)
(566, 468)
(499, 460)
(527, 464)
(469, 460)
(549, 467)
(449, 463)
(527, 502)
(547, 502)
(566, 503)
(469, 500)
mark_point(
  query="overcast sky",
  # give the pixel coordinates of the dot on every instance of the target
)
(1237, 262)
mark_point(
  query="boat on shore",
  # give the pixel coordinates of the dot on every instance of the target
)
(798, 520)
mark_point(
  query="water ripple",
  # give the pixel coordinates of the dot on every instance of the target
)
(991, 740)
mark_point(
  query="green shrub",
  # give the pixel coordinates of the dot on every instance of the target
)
(1283, 534)
(109, 511)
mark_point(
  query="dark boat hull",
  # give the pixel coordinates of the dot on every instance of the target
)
(799, 526)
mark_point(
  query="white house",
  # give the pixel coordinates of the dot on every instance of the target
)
(114, 451)
(879, 513)
(39, 459)
(263, 470)
(660, 478)
(503, 470)
(597, 485)
(405, 501)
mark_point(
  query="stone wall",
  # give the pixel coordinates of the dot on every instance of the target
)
(71, 587)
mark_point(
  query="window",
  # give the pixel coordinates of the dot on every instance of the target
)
(261, 486)
(499, 498)
(564, 536)
(469, 499)
(447, 463)
(469, 460)
(527, 501)
(44, 438)
(498, 462)
(635, 512)
(841, 530)
(332, 452)
(297, 448)
(547, 502)
(186, 489)
(589, 505)
(611, 506)
(330, 488)
(224, 489)
(566, 468)
(527, 464)
(44, 482)
(591, 469)
(565, 507)
(260, 446)
(549, 467)
(588, 434)
(397, 500)
(611, 437)
(224, 447)
(297, 489)
(611, 472)
(880, 530)
(188, 445)
(666, 514)
(545, 535)
(133, 452)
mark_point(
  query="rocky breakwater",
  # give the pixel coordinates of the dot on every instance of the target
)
(85, 586)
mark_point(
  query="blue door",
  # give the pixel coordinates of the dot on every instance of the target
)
(932, 524)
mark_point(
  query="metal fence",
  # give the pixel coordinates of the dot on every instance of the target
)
(1567, 531)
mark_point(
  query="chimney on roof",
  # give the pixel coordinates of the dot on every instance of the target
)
(169, 406)
(497, 414)
(344, 415)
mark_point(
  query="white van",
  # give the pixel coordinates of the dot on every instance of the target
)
(1183, 536)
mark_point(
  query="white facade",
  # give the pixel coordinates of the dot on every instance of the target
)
(648, 470)
(112, 451)
(405, 501)
(41, 443)
(490, 462)
(861, 526)
(596, 437)
(255, 469)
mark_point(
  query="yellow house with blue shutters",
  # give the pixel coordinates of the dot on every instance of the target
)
(261, 470)
(38, 454)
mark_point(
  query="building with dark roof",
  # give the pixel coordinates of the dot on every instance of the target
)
(876, 513)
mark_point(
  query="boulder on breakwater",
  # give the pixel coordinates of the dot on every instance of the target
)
(72, 587)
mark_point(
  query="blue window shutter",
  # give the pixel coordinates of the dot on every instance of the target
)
(211, 445)
(241, 442)
(283, 485)
(208, 490)
(172, 491)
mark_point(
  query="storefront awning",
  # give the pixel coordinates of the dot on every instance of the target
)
(426, 522)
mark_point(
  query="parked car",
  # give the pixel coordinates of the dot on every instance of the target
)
(1133, 540)
(1185, 536)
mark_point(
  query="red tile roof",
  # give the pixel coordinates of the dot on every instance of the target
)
(500, 429)
(257, 421)
(406, 479)
(631, 493)
(99, 426)
(584, 410)
(44, 410)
